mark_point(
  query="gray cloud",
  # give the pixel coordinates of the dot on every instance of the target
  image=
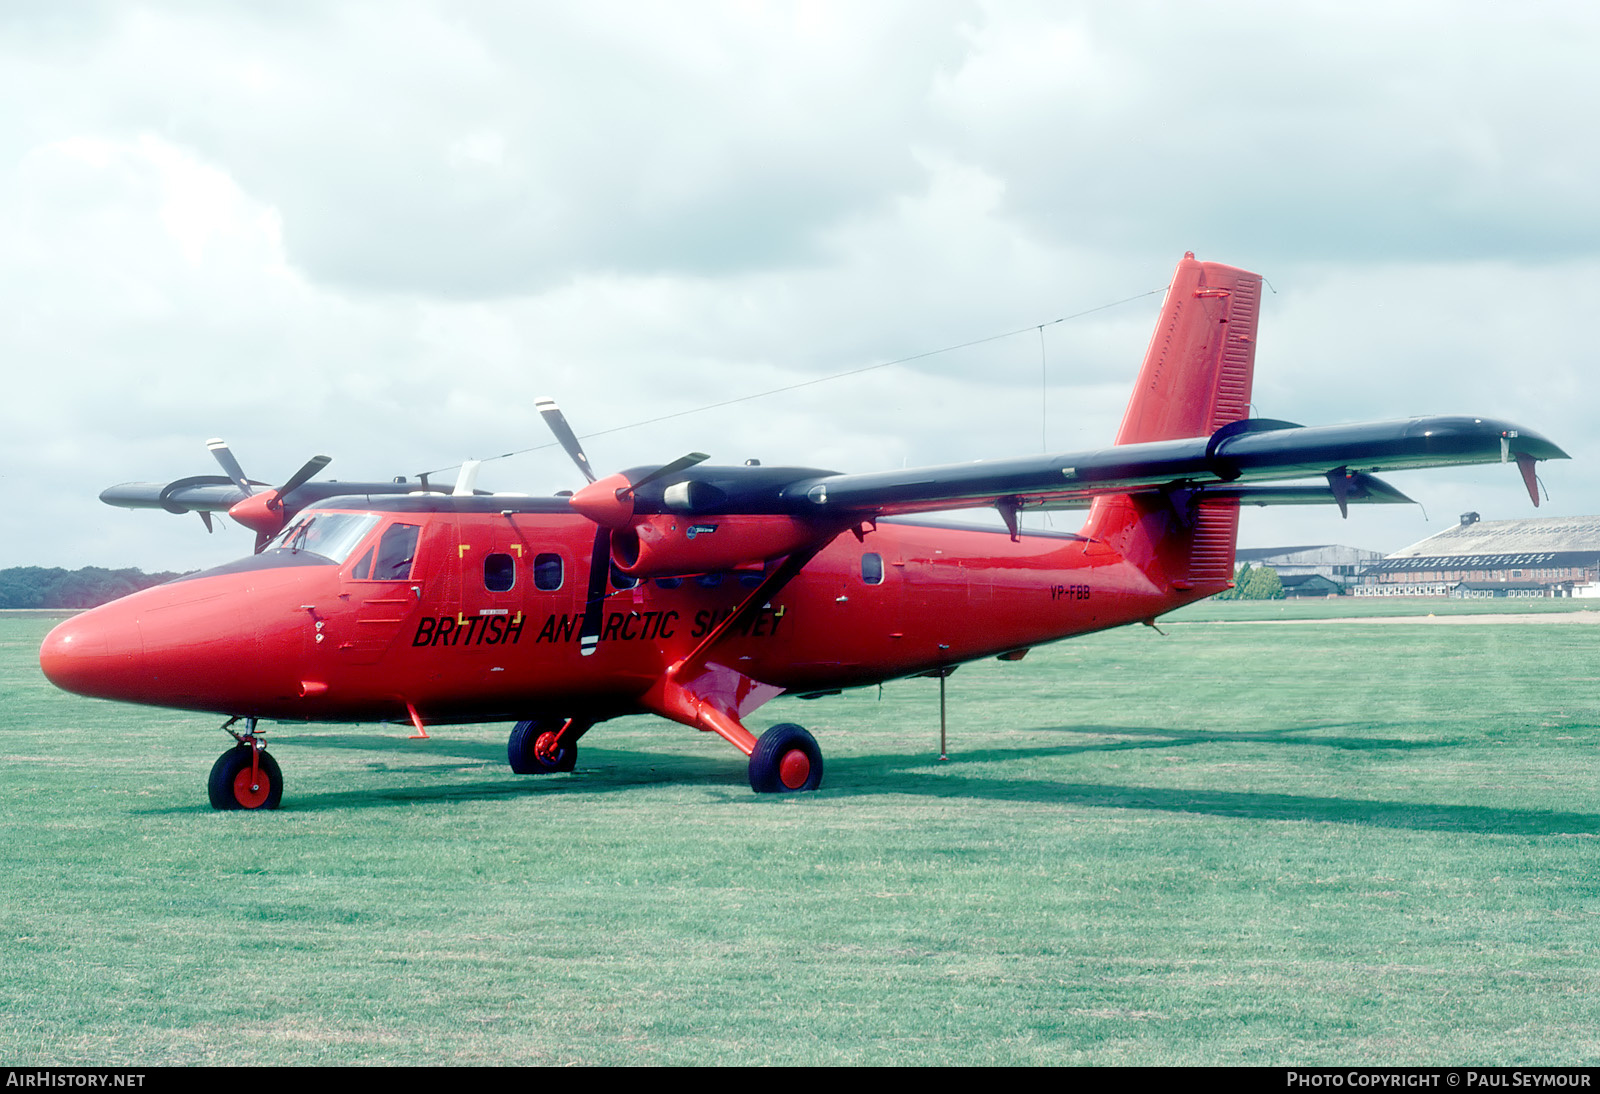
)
(379, 232)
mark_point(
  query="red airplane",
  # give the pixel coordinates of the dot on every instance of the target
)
(699, 593)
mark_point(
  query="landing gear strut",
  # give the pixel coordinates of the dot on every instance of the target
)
(246, 776)
(786, 761)
(544, 746)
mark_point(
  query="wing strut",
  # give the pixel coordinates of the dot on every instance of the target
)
(769, 587)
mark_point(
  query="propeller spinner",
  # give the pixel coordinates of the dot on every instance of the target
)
(608, 501)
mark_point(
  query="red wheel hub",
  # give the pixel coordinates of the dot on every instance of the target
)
(794, 769)
(250, 787)
(545, 747)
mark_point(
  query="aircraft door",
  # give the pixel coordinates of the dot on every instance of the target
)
(496, 569)
(385, 586)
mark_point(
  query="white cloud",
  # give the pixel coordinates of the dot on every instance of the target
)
(380, 231)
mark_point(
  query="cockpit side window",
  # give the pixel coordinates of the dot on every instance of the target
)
(396, 552)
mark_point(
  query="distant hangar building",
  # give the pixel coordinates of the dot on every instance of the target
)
(1553, 556)
(1322, 569)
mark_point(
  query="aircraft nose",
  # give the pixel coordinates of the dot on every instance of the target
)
(91, 654)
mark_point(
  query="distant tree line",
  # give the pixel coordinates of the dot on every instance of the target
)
(53, 587)
(1259, 584)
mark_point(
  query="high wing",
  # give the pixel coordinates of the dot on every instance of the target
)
(1235, 462)
(216, 494)
(266, 510)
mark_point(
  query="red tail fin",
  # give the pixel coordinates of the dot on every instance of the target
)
(1197, 371)
(1195, 380)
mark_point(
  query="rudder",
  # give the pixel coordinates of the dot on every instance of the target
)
(1196, 378)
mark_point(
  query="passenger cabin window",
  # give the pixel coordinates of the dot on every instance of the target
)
(396, 551)
(547, 572)
(872, 568)
(620, 580)
(499, 573)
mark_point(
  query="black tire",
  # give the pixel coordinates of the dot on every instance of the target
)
(769, 771)
(525, 760)
(227, 792)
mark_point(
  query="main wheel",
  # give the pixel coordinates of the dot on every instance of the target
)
(786, 760)
(235, 784)
(532, 748)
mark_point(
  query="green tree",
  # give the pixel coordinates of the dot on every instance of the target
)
(1263, 584)
(1241, 577)
(53, 587)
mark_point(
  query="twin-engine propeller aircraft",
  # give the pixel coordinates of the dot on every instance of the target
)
(698, 592)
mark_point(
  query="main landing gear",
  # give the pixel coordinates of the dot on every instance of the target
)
(246, 776)
(545, 746)
(786, 761)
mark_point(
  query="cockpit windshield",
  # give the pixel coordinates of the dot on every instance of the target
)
(331, 535)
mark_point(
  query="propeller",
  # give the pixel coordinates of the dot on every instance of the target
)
(230, 466)
(557, 422)
(609, 503)
(262, 513)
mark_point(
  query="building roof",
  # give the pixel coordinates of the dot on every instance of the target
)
(1271, 552)
(1547, 535)
(1290, 581)
(1547, 543)
(1254, 554)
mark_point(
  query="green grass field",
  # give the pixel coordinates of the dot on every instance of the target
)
(1236, 843)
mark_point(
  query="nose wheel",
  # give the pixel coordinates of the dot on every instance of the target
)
(246, 776)
(786, 761)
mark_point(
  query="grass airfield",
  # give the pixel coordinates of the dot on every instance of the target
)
(1238, 843)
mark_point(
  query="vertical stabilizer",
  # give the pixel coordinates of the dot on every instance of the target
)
(1195, 379)
(1197, 371)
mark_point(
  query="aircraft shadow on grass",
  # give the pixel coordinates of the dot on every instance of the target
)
(603, 770)
(1164, 737)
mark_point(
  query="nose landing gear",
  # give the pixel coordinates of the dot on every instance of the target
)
(246, 776)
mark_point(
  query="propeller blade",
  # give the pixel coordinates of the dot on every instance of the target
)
(672, 468)
(302, 476)
(595, 605)
(569, 440)
(230, 466)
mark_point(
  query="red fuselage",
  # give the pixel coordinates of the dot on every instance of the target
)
(290, 635)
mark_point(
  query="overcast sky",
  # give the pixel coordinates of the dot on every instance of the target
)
(380, 230)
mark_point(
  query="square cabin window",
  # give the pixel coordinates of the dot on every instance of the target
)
(872, 568)
(547, 574)
(499, 573)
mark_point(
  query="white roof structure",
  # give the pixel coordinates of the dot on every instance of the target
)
(1539, 535)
